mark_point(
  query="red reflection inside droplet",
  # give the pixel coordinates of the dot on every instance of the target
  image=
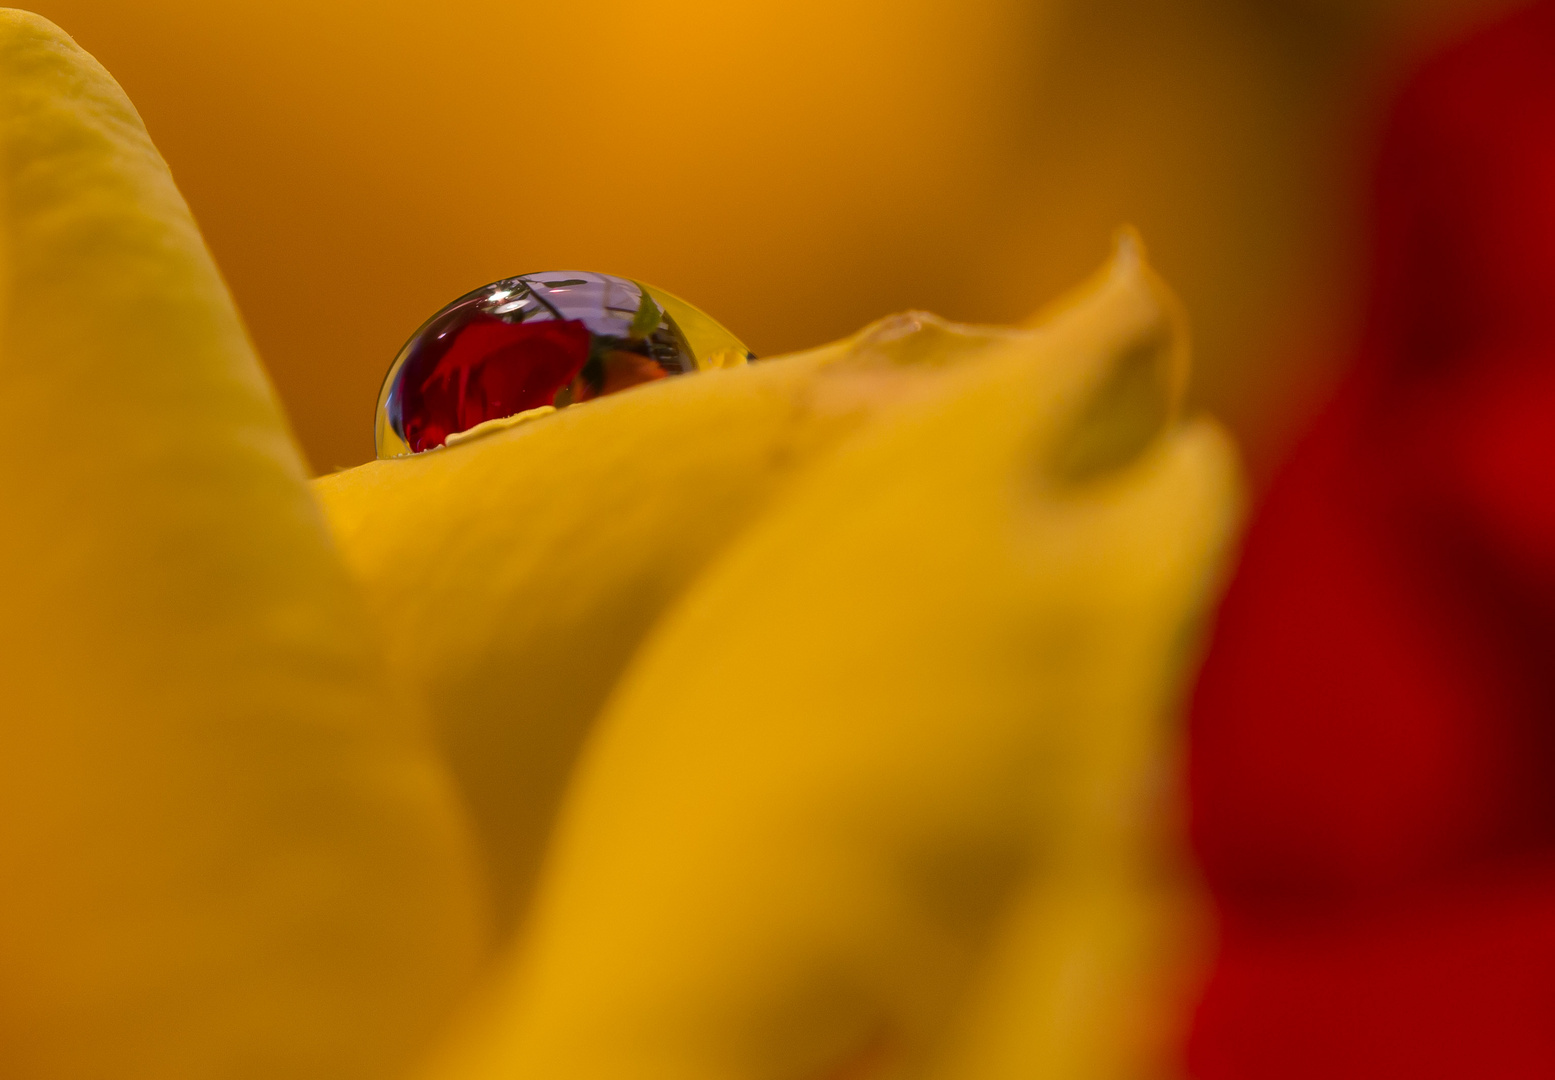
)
(483, 368)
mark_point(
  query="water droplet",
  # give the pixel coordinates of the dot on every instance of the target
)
(550, 339)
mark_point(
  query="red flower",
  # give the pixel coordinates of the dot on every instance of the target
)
(1373, 734)
(485, 369)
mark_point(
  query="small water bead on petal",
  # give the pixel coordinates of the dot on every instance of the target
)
(538, 340)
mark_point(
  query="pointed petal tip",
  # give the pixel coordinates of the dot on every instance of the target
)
(1128, 249)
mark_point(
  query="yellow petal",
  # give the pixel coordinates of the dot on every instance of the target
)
(924, 694)
(514, 575)
(224, 850)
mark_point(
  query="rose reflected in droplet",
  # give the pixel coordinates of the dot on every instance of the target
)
(536, 341)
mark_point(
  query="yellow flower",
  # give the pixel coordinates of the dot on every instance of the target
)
(782, 719)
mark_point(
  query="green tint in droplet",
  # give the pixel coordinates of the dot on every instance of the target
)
(711, 344)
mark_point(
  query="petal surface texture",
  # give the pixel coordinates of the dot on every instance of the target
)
(515, 576)
(224, 851)
(879, 794)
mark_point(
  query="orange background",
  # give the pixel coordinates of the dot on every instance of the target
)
(795, 167)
